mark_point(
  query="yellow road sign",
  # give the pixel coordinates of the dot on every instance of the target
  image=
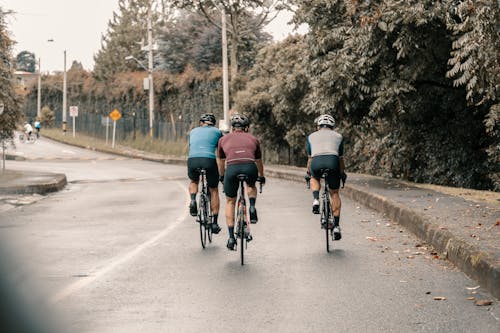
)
(115, 115)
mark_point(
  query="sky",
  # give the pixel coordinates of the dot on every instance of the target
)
(75, 26)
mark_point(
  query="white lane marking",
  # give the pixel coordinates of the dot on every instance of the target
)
(119, 260)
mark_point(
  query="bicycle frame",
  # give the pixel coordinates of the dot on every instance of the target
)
(326, 208)
(204, 210)
(242, 225)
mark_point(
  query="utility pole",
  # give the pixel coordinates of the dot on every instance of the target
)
(39, 95)
(150, 71)
(225, 76)
(64, 96)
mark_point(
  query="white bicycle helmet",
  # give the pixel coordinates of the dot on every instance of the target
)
(325, 120)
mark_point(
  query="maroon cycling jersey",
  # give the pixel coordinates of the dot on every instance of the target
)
(239, 148)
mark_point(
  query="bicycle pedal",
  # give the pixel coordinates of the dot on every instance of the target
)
(249, 238)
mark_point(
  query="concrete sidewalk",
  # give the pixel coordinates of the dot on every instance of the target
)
(465, 232)
(23, 182)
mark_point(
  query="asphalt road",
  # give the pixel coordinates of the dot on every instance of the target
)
(117, 252)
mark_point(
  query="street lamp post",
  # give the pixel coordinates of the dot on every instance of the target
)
(225, 75)
(64, 96)
(39, 93)
(149, 87)
(2, 108)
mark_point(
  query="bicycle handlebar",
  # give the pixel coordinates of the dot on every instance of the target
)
(308, 181)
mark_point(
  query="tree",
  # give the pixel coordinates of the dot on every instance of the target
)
(11, 103)
(273, 98)
(47, 117)
(26, 61)
(245, 17)
(383, 68)
(125, 32)
(188, 39)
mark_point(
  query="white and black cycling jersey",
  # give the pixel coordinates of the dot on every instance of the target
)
(325, 142)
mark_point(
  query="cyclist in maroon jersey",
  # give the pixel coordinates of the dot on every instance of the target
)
(239, 153)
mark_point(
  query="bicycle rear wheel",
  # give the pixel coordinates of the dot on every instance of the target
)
(241, 231)
(31, 138)
(325, 219)
(202, 220)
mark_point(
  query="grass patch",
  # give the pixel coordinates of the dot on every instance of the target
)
(141, 142)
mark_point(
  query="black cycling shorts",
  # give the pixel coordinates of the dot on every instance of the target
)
(206, 163)
(331, 162)
(231, 182)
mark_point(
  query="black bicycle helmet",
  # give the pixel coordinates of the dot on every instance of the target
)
(239, 121)
(208, 118)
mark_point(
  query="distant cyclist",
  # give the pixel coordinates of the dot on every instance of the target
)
(203, 142)
(325, 149)
(28, 129)
(38, 126)
(240, 153)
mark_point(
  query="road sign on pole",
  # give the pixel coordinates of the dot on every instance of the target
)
(115, 115)
(73, 112)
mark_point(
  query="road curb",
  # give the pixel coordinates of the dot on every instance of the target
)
(477, 264)
(57, 183)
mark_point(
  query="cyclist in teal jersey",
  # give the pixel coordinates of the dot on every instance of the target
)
(203, 141)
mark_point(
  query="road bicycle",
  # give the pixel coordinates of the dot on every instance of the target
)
(242, 229)
(204, 217)
(27, 138)
(326, 217)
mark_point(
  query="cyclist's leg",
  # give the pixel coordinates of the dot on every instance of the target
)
(334, 184)
(231, 189)
(251, 171)
(213, 186)
(194, 177)
(316, 164)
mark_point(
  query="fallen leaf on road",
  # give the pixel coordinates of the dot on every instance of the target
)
(440, 298)
(410, 257)
(483, 302)
(497, 223)
(473, 288)
(418, 253)
(373, 239)
(470, 298)
(428, 293)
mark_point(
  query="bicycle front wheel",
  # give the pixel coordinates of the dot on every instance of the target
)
(209, 220)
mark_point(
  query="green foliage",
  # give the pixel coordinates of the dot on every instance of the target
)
(188, 39)
(26, 61)
(273, 97)
(125, 32)
(245, 21)
(47, 117)
(413, 88)
(11, 101)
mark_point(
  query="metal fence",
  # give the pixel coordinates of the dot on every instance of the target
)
(100, 126)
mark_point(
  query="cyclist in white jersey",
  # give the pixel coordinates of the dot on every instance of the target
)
(325, 150)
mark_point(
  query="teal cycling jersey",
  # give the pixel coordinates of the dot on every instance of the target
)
(203, 141)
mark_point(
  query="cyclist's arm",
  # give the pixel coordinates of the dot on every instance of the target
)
(260, 167)
(308, 164)
(341, 157)
(221, 164)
